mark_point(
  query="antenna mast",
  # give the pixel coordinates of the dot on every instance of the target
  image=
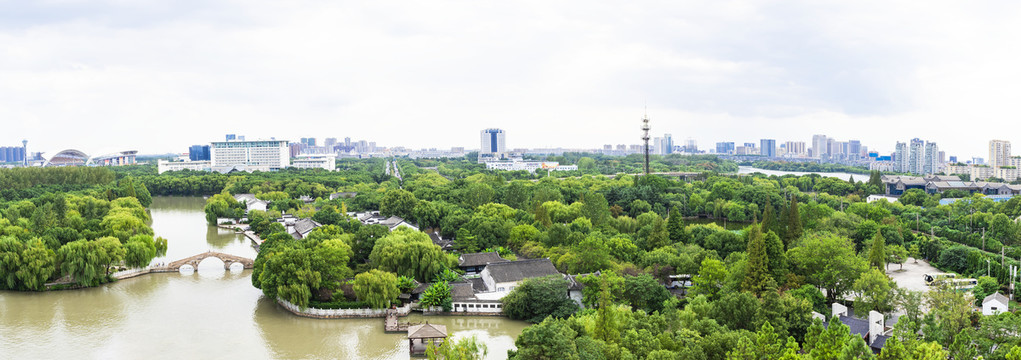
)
(645, 137)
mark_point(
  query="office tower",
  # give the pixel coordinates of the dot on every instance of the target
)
(725, 148)
(263, 155)
(308, 142)
(930, 164)
(854, 149)
(749, 145)
(668, 144)
(199, 153)
(767, 147)
(493, 142)
(820, 146)
(329, 143)
(999, 152)
(916, 156)
(795, 148)
(230, 137)
(901, 157)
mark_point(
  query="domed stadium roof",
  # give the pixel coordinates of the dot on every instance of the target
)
(69, 157)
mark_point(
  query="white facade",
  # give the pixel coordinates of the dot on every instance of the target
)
(493, 142)
(163, 166)
(261, 155)
(999, 152)
(328, 163)
(994, 304)
(530, 166)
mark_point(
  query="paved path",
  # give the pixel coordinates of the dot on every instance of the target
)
(911, 277)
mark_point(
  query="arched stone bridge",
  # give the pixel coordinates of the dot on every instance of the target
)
(227, 259)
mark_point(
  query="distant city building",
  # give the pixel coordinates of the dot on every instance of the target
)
(493, 145)
(820, 146)
(749, 145)
(12, 154)
(330, 143)
(230, 137)
(256, 155)
(725, 148)
(931, 162)
(767, 147)
(163, 166)
(690, 146)
(999, 152)
(199, 153)
(115, 159)
(326, 162)
(916, 156)
(854, 149)
(663, 145)
(795, 148)
(308, 142)
(530, 166)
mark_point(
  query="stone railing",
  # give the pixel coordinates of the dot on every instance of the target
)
(340, 313)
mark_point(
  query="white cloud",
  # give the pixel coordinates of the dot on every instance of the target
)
(158, 76)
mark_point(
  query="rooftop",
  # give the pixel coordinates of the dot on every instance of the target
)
(512, 271)
(480, 259)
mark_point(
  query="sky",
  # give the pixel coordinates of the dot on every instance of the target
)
(158, 76)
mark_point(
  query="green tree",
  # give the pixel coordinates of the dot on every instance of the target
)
(139, 251)
(595, 208)
(550, 339)
(874, 292)
(376, 288)
(877, 253)
(986, 286)
(409, 253)
(758, 262)
(36, 266)
(794, 227)
(643, 292)
(82, 259)
(769, 220)
(468, 348)
(675, 225)
(893, 350)
(438, 294)
(710, 279)
(536, 298)
(10, 261)
(828, 262)
(777, 257)
(398, 202)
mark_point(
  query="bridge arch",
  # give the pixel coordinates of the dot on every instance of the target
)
(227, 259)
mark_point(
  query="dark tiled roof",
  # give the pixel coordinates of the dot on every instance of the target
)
(858, 326)
(512, 271)
(421, 288)
(879, 342)
(427, 331)
(462, 291)
(304, 226)
(478, 284)
(480, 259)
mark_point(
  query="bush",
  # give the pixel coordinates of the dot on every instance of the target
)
(338, 304)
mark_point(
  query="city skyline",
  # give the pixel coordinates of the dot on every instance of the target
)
(412, 77)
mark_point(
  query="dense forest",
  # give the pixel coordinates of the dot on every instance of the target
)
(804, 243)
(72, 226)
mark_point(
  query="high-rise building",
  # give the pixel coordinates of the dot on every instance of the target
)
(767, 147)
(230, 137)
(795, 148)
(329, 143)
(901, 157)
(930, 164)
(725, 148)
(261, 155)
(854, 149)
(493, 142)
(999, 153)
(916, 156)
(668, 144)
(308, 142)
(690, 145)
(199, 153)
(749, 145)
(820, 146)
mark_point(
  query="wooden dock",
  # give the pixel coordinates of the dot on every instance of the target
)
(392, 324)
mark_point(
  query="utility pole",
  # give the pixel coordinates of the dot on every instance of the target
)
(645, 137)
(983, 239)
(916, 221)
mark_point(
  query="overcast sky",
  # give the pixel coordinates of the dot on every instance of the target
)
(157, 76)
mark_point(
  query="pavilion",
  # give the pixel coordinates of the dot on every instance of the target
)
(425, 334)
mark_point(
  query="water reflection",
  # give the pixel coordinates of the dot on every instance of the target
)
(211, 313)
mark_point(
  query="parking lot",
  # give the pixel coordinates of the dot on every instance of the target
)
(911, 276)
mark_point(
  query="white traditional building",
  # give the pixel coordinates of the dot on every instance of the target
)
(502, 277)
(251, 202)
(994, 304)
